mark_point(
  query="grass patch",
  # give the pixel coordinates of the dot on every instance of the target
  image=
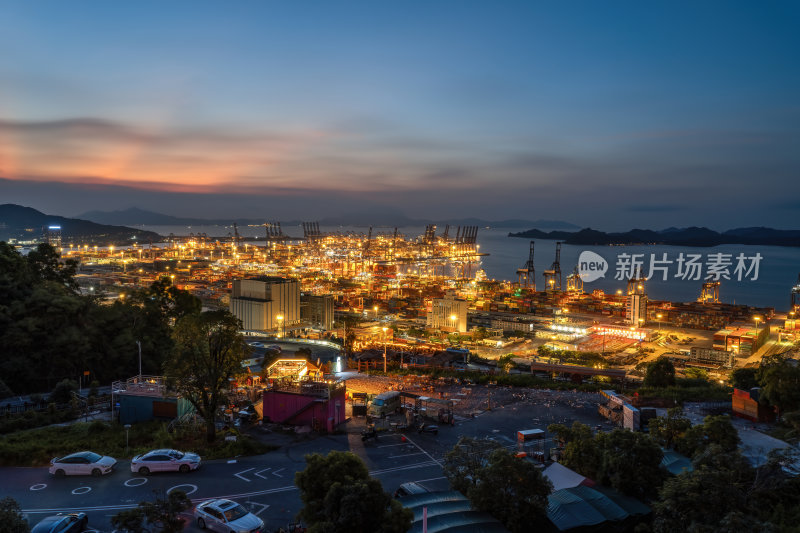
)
(36, 447)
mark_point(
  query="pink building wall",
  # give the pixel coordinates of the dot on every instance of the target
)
(284, 407)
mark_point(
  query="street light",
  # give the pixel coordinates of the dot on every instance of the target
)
(280, 324)
(658, 316)
(127, 428)
(756, 319)
(453, 319)
(376, 312)
(384, 349)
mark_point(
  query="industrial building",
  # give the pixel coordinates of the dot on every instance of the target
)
(448, 314)
(266, 303)
(317, 310)
(740, 339)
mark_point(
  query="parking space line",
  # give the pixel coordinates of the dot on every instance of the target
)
(423, 451)
(391, 445)
(431, 479)
(405, 455)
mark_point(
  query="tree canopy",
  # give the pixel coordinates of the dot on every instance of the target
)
(49, 331)
(208, 351)
(779, 377)
(498, 482)
(11, 517)
(340, 496)
(162, 514)
(660, 373)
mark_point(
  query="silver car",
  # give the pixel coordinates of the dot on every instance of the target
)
(82, 463)
(165, 461)
(225, 516)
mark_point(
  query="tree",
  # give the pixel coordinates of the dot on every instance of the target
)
(666, 430)
(630, 462)
(63, 391)
(208, 351)
(11, 519)
(779, 377)
(465, 460)
(340, 496)
(511, 489)
(660, 373)
(162, 515)
(581, 452)
(715, 430)
(700, 500)
(505, 362)
(744, 378)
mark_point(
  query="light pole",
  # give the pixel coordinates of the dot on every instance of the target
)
(280, 325)
(127, 428)
(756, 319)
(139, 344)
(376, 312)
(658, 316)
(384, 350)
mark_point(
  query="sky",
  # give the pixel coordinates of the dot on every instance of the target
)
(605, 114)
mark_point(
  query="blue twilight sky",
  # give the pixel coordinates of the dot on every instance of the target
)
(608, 114)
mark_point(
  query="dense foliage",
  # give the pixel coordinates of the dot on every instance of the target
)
(11, 518)
(162, 514)
(208, 351)
(49, 331)
(496, 481)
(340, 496)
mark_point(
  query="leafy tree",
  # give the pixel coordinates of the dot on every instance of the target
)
(11, 519)
(162, 515)
(779, 377)
(630, 462)
(715, 430)
(666, 430)
(46, 265)
(63, 391)
(511, 489)
(340, 496)
(505, 362)
(700, 500)
(744, 378)
(208, 351)
(465, 460)
(480, 333)
(660, 373)
(581, 452)
(696, 373)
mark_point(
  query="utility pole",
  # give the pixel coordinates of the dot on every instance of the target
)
(138, 343)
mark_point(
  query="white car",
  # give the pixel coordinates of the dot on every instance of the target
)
(165, 461)
(225, 516)
(82, 464)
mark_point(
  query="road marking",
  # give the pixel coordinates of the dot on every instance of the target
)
(38, 486)
(423, 451)
(129, 483)
(82, 490)
(259, 473)
(400, 468)
(262, 505)
(405, 455)
(390, 445)
(275, 473)
(240, 476)
(194, 488)
(431, 479)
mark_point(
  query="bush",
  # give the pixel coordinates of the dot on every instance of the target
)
(62, 393)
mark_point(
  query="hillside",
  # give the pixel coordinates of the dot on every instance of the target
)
(26, 223)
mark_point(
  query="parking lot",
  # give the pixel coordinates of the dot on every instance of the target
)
(265, 483)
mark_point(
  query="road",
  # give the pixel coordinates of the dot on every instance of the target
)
(265, 483)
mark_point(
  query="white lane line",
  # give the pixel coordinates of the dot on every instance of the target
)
(240, 476)
(262, 505)
(423, 451)
(405, 455)
(275, 473)
(431, 479)
(401, 468)
(259, 473)
(391, 445)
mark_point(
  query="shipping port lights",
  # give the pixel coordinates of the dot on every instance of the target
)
(629, 333)
(569, 329)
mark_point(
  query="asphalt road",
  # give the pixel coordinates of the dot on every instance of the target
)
(265, 483)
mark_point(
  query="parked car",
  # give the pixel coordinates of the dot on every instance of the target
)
(82, 463)
(62, 523)
(248, 414)
(225, 516)
(165, 461)
(407, 489)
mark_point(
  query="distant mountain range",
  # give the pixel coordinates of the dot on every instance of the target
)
(693, 236)
(26, 223)
(141, 217)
